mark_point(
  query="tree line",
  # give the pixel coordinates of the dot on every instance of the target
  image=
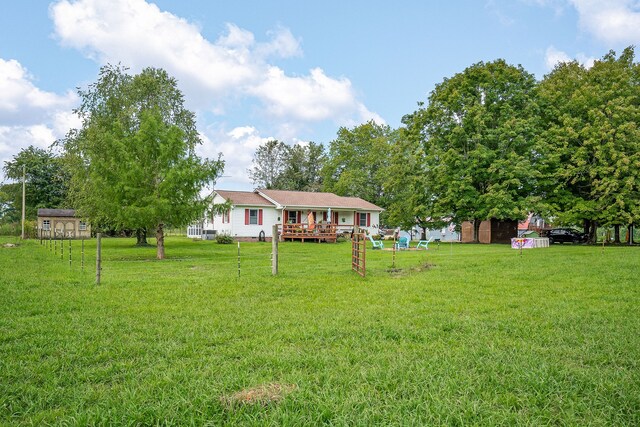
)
(489, 142)
(493, 142)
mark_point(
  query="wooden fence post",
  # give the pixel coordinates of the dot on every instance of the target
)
(274, 250)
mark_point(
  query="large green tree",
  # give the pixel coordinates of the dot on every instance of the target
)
(592, 138)
(46, 182)
(303, 166)
(133, 162)
(357, 162)
(479, 132)
(269, 162)
(409, 194)
(279, 166)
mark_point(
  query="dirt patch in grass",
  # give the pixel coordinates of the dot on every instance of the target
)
(401, 272)
(263, 395)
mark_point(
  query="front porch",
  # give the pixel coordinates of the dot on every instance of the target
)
(302, 231)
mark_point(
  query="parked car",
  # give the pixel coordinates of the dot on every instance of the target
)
(565, 235)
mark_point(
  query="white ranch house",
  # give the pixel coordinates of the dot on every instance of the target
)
(255, 212)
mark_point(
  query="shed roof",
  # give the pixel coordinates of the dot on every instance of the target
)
(57, 212)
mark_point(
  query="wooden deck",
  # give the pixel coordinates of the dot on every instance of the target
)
(318, 233)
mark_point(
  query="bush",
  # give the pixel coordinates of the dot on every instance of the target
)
(15, 229)
(224, 239)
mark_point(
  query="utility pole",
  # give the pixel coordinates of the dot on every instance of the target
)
(24, 192)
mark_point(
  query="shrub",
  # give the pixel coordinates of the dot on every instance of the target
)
(15, 229)
(224, 239)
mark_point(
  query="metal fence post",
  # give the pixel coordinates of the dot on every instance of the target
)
(98, 256)
(274, 250)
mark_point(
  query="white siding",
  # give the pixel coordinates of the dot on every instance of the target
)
(272, 215)
(239, 229)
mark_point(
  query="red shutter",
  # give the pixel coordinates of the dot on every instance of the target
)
(368, 220)
(324, 216)
(285, 217)
(356, 219)
(299, 214)
(259, 216)
(246, 217)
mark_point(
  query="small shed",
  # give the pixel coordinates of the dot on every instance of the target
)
(491, 231)
(57, 223)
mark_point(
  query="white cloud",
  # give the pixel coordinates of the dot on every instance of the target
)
(139, 34)
(22, 103)
(314, 97)
(234, 72)
(28, 114)
(554, 56)
(283, 44)
(612, 21)
(14, 138)
(237, 147)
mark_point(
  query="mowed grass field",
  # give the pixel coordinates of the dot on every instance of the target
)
(460, 335)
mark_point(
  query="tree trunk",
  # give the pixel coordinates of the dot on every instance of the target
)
(585, 227)
(630, 234)
(476, 230)
(423, 234)
(141, 237)
(616, 234)
(593, 238)
(160, 241)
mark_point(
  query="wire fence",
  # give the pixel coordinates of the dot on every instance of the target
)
(238, 260)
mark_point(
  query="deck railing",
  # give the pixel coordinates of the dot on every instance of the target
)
(319, 232)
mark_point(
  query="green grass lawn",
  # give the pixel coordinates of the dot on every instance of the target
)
(460, 335)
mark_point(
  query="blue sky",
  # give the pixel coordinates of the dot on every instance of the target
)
(291, 70)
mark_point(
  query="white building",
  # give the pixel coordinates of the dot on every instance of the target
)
(252, 213)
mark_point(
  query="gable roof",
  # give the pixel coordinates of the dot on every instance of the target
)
(57, 212)
(244, 198)
(320, 200)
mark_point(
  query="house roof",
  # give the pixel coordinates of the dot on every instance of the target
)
(57, 212)
(244, 198)
(319, 200)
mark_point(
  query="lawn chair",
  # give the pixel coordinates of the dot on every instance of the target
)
(402, 243)
(377, 244)
(424, 243)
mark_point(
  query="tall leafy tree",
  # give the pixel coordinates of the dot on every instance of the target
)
(133, 162)
(45, 178)
(479, 135)
(410, 197)
(269, 163)
(357, 162)
(303, 166)
(591, 121)
(277, 165)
